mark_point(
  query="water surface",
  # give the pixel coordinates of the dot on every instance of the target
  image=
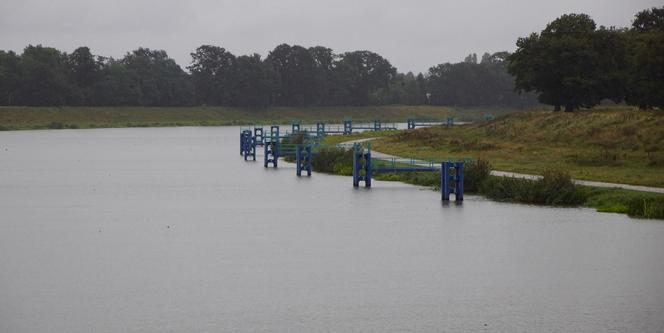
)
(168, 229)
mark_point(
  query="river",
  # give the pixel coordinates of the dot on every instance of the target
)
(170, 230)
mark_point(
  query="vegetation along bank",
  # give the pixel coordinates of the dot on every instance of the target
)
(617, 144)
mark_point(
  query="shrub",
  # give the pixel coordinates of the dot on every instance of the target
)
(56, 125)
(554, 188)
(651, 208)
(333, 160)
(475, 173)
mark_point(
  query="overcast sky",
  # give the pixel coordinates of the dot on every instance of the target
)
(412, 35)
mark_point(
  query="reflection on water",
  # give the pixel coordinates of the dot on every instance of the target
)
(168, 229)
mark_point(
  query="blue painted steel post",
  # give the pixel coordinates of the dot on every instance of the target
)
(271, 154)
(356, 166)
(295, 127)
(348, 126)
(411, 123)
(376, 125)
(258, 135)
(445, 181)
(250, 147)
(298, 162)
(458, 190)
(367, 166)
(242, 143)
(308, 159)
(266, 148)
(274, 132)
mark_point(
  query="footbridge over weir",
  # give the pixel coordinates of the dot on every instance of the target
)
(302, 147)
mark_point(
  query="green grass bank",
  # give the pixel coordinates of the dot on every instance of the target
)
(21, 118)
(617, 144)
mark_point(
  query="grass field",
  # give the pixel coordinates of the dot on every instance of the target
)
(18, 118)
(618, 144)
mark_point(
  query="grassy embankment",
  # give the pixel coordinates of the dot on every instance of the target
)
(620, 145)
(18, 118)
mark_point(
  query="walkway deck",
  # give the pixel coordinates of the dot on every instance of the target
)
(499, 173)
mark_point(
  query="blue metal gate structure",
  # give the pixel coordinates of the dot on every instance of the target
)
(365, 166)
(303, 145)
(413, 123)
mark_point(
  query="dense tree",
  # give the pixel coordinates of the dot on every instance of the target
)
(645, 83)
(324, 61)
(211, 71)
(296, 70)
(649, 20)
(84, 72)
(160, 80)
(359, 73)
(10, 78)
(405, 89)
(253, 83)
(471, 84)
(44, 77)
(118, 86)
(570, 63)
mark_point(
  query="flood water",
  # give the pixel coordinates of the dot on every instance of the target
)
(169, 230)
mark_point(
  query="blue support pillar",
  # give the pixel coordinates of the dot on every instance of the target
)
(245, 137)
(348, 126)
(356, 167)
(367, 169)
(445, 181)
(377, 125)
(274, 133)
(320, 129)
(249, 146)
(361, 162)
(446, 178)
(258, 136)
(298, 157)
(271, 153)
(242, 143)
(411, 123)
(309, 159)
(303, 159)
(458, 188)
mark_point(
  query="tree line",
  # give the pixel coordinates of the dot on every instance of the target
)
(572, 63)
(288, 76)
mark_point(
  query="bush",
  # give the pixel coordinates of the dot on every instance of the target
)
(333, 160)
(475, 173)
(555, 188)
(651, 208)
(56, 125)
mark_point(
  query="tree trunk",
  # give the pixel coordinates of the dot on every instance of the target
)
(556, 108)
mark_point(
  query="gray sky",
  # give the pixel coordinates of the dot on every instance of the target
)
(412, 35)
